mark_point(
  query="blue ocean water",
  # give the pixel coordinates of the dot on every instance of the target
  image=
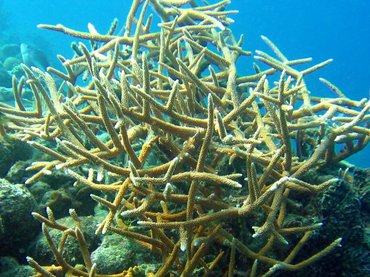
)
(338, 29)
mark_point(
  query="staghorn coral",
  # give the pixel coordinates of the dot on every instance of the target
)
(200, 161)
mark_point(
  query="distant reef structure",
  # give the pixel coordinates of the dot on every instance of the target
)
(12, 55)
(193, 168)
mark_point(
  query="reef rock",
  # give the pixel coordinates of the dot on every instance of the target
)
(17, 226)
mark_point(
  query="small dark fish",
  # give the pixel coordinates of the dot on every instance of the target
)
(33, 57)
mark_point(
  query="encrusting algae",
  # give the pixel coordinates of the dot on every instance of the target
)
(190, 148)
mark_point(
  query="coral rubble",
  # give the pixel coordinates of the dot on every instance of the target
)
(192, 160)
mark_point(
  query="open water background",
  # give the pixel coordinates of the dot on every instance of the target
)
(321, 29)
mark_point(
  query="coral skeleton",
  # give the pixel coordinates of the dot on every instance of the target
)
(160, 118)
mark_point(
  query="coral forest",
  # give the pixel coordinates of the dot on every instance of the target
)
(205, 169)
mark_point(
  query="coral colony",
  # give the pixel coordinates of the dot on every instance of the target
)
(192, 160)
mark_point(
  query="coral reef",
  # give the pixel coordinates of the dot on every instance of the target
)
(11, 151)
(17, 203)
(202, 166)
(342, 208)
(10, 61)
(9, 267)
